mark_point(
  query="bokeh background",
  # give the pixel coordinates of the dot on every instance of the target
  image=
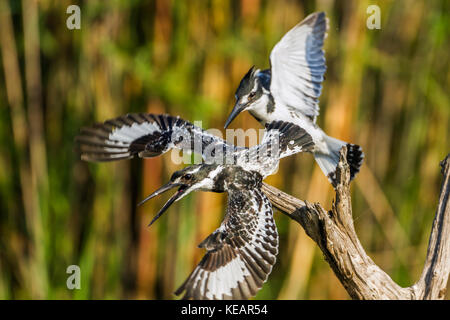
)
(387, 90)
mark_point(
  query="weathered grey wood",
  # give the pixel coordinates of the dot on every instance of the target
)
(334, 233)
(433, 281)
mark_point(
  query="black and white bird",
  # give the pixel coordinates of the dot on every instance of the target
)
(240, 254)
(289, 91)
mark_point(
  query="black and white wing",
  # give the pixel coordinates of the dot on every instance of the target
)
(298, 65)
(148, 135)
(240, 253)
(281, 139)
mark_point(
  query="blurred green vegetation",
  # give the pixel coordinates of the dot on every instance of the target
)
(387, 90)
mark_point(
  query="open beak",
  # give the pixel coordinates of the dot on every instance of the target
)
(238, 108)
(174, 198)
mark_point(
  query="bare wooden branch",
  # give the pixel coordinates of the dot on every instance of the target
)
(433, 281)
(334, 233)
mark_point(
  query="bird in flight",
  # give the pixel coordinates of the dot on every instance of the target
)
(289, 91)
(241, 253)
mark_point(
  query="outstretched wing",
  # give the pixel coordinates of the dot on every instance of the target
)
(147, 135)
(240, 253)
(281, 139)
(298, 65)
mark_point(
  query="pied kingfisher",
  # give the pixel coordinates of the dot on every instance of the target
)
(289, 91)
(240, 254)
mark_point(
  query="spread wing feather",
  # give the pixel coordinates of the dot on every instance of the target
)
(240, 253)
(298, 65)
(281, 139)
(148, 135)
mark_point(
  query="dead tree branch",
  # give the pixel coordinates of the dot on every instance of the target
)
(334, 233)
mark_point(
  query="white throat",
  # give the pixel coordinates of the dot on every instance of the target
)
(259, 108)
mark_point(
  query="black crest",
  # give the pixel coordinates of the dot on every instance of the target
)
(247, 82)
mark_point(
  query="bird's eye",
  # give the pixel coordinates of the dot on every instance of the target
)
(188, 176)
(252, 95)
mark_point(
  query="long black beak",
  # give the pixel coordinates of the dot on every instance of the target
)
(163, 189)
(238, 108)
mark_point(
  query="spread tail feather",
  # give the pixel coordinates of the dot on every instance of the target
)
(328, 162)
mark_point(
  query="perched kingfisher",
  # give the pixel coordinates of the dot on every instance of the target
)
(289, 91)
(240, 254)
